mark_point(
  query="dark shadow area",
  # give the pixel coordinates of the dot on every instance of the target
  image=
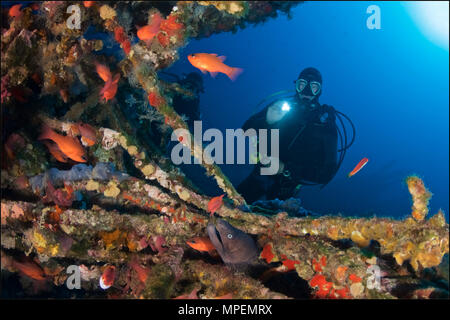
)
(290, 284)
(191, 254)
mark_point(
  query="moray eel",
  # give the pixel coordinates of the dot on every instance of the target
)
(235, 247)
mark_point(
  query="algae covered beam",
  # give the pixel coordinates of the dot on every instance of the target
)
(148, 79)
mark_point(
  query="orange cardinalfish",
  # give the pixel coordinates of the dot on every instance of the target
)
(358, 167)
(148, 32)
(214, 204)
(214, 64)
(70, 146)
(110, 89)
(30, 269)
(103, 71)
(54, 150)
(15, 11)
(201, 244)
(107, 278)
(88, 4)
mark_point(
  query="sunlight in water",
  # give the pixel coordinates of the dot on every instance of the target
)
(432, 19)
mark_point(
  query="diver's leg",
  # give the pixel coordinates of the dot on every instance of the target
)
(282, 189)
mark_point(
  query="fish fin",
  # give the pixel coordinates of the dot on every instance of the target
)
(211, 230)
(56, 153)
(47, 133)
(105, 87)
(87, 142)
(116, 78)
(213, 74)
(234, 73)
(61, 157)
(103, 71)
(222, 58)
(156, 21)
(203, 71)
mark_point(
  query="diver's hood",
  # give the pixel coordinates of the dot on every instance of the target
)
(310, 74)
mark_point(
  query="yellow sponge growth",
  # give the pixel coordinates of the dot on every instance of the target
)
(232, 7)
(420, 195)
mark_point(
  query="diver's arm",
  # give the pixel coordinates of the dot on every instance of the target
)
(269, 116)
(257, 121)
(276, 112)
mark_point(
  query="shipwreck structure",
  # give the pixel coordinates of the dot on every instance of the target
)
(129, 207)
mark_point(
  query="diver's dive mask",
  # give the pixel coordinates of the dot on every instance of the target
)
(314, 87)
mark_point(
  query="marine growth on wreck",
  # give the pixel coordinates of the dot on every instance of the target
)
(88, 188)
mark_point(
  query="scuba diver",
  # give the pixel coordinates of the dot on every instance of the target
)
(308, 141)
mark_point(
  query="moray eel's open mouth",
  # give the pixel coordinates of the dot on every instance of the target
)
(218, 236)
(214, 236)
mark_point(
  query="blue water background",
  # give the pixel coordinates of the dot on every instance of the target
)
(393, 83)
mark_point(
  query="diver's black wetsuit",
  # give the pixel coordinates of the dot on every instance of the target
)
(189, 106)
(307, 147)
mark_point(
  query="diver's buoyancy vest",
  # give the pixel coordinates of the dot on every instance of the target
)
(307, 145)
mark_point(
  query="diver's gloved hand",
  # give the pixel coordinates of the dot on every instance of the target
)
(325, 114)
(330, 110)
(324, 117)
(270, 165)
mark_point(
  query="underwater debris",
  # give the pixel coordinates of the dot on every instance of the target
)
(292, 206)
